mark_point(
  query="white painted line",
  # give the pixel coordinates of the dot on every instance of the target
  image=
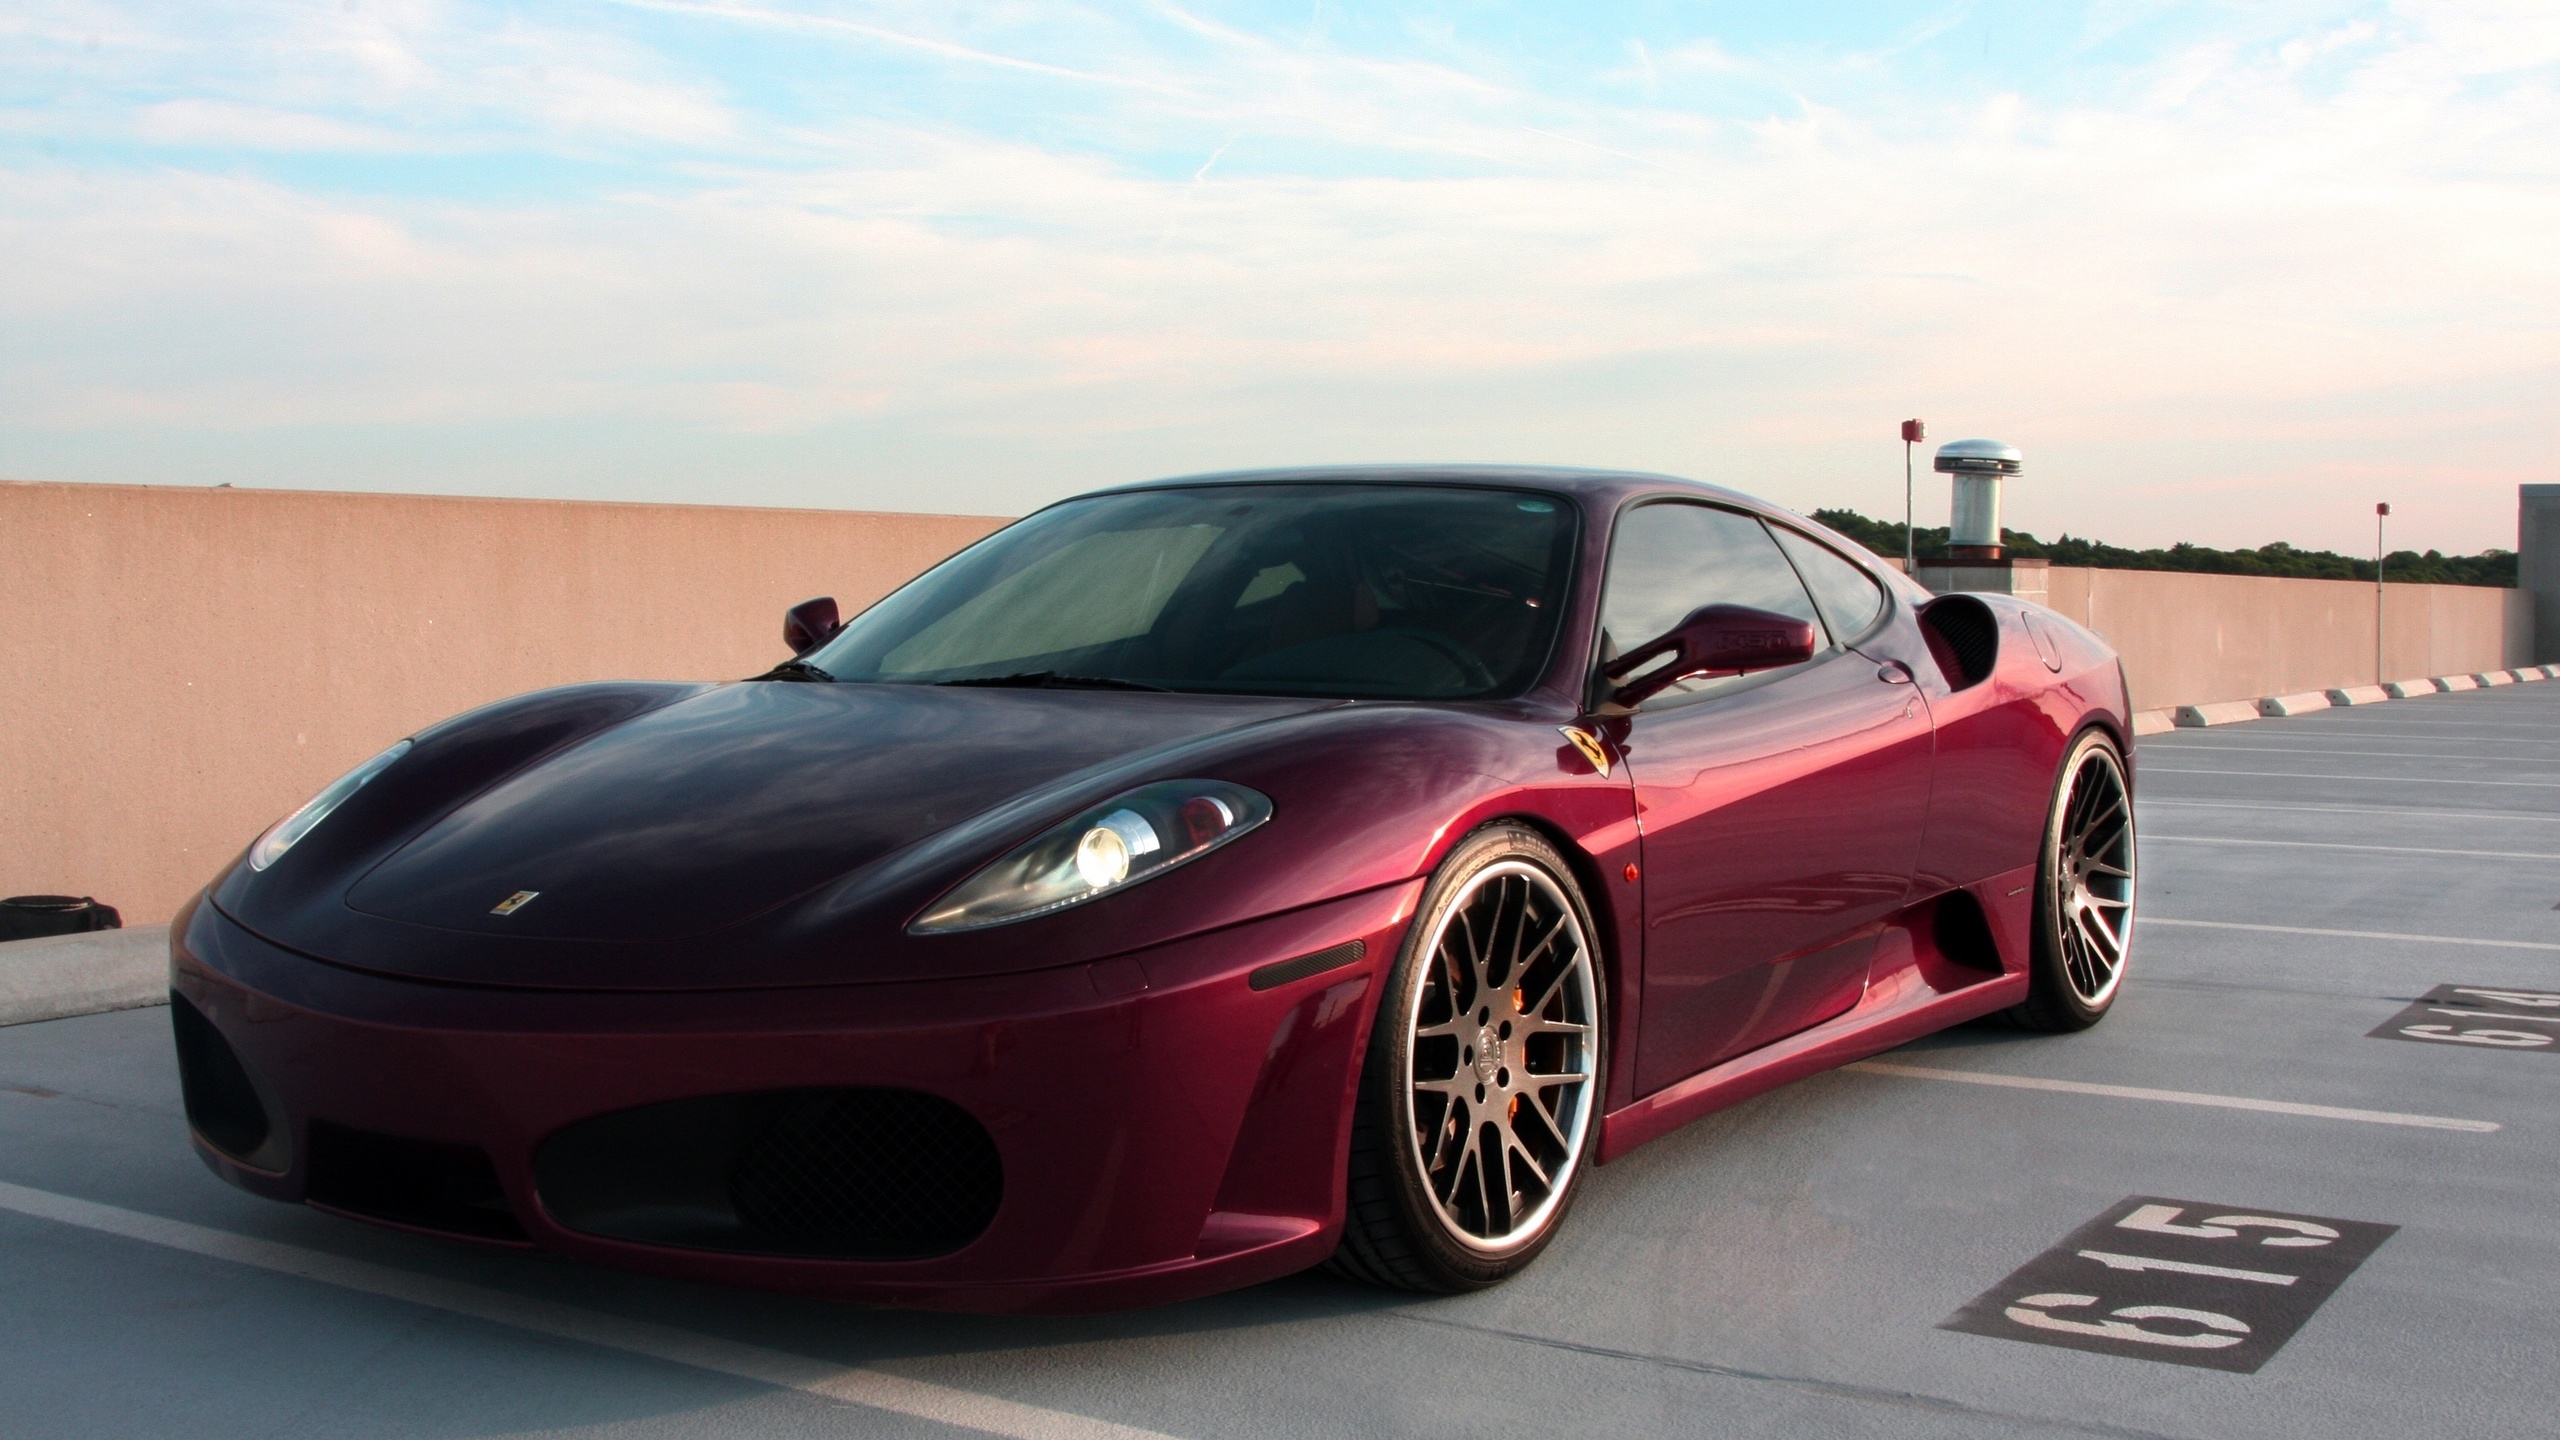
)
(2371, 779)
(2348, 934)
(2272, 738)
(2146, 802)
(2376, 849)
(872, 1388)
(2174, 1097)
(2220, 747)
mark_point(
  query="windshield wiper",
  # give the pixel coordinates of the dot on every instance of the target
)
(1052, 680)
(795, 670)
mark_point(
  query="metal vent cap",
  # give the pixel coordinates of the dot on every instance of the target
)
(1978, 457)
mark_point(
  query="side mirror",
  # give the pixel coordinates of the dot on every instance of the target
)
(1714, 640)
(810, 624)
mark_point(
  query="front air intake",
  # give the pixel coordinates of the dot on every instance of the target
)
(423, 1184)
(854, 1173)
(221, 1103)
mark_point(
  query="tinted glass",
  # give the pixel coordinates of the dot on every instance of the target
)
(1668, 559)
(1390, 591)
(1849, 597)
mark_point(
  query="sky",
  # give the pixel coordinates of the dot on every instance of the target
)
(2226, 273)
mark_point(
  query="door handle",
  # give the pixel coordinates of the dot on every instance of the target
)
(1894, 672)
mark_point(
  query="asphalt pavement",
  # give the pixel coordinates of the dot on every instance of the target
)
(2385, 1163)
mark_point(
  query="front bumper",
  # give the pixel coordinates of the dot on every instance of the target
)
(1165, 1130)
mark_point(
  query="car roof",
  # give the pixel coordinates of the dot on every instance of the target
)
(1598, 492)
(1597, 489)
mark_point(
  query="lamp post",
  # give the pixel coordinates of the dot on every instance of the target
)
(1913, 432)
(2381, 513)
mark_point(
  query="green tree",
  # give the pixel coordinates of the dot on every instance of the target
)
(2489, 567)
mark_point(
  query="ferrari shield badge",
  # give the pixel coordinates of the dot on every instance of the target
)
(514, 903)
(1590, 746)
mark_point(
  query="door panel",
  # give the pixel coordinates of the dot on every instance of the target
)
(1780, 823)
(1781, 812)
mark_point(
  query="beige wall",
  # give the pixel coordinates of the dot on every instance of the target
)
(2193, 639)
(180, 666)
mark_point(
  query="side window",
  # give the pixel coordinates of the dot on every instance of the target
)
(1671, 557)
(1849, 597)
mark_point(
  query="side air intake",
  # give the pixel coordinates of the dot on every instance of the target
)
(1964, 638)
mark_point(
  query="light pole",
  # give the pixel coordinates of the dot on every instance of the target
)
(1913, 432)
(2381, 513)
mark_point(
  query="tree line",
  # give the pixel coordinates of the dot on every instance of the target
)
(2432, 567)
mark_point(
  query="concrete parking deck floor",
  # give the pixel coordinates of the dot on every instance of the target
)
(1780, 1268)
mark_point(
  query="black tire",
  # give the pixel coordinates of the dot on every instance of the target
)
(1429, 1222)
(2085, 892)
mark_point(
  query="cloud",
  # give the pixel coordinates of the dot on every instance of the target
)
(2256, 272)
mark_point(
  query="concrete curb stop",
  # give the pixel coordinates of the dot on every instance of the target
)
(2363, 695)
(64, 975)
(2222, 712)
(2457, 682)
(2279, 707)
(2153, 722)
(2488, 678)
(2528, 674)
(2403, 689)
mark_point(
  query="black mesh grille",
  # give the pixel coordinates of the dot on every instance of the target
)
(854, 1173)
(221, 1103)
(892, 1170)
(1972, 636)
(432, 1186)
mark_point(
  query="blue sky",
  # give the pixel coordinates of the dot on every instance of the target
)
(2228, 273)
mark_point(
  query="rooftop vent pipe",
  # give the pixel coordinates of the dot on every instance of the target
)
(1978, 467)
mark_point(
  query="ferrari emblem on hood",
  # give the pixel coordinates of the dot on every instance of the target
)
(514, 903)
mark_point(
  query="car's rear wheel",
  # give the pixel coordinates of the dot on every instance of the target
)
(1478, 1105)
(2084, 892)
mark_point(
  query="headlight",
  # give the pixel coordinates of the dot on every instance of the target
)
(1114, 845)
(298, 824)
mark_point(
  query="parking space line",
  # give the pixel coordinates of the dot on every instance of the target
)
(2235, 750)
(2374, 779)
(2348, 934)
(872, 1389)
(2155, 837)
(2174, 1097)
(2174, 739)
(2146, 802)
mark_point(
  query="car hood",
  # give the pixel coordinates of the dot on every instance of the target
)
(701, 814)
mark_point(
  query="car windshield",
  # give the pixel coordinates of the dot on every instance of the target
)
(1366, 591)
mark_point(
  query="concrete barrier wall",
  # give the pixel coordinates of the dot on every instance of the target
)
(180, 666)
(2195, 639)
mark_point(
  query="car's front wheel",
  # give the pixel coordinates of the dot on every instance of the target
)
(1479, 1102)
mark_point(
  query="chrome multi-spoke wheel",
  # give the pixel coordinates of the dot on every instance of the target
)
(1479, 1100)
(1500, 1066)
(2084, 891)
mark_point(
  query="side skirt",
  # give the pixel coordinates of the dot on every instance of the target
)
(1913, 989)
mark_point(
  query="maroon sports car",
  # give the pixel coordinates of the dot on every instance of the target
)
(1186, 885)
